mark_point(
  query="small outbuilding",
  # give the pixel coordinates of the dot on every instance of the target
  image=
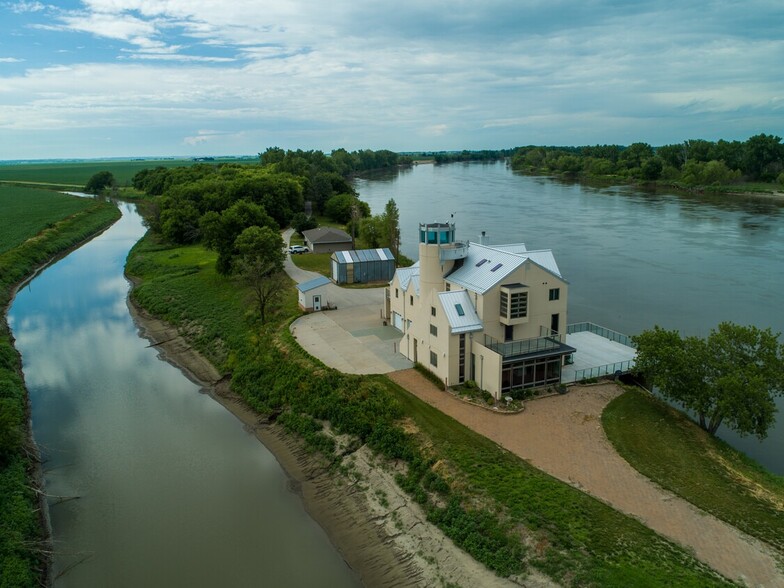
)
(362, 266)
(312, 294)
(327, 240)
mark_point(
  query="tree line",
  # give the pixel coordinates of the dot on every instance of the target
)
(695, 162)
(238, 210)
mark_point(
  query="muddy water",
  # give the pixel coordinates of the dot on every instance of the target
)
(633, 259)
(151, 482)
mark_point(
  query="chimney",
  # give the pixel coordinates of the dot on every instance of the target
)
(484, 239)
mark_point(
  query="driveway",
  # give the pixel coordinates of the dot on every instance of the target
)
(352, 338)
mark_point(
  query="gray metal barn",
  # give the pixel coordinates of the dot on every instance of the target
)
(362, 266)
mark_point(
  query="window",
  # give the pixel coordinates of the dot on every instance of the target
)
(411, 300)
(432, 311)
(433, 359)
(397, 294)
(448, 287)
(459, 309)
(555, 293)
(434, 330)
(514, 305)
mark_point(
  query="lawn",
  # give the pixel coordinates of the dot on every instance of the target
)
(665, 446)
(314, 262)
(28, 211)
(500, 509)
(78, 172)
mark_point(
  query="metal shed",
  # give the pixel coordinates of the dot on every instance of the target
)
(362, 266)
(312, 294)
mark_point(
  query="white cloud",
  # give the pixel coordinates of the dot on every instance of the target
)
(401, 76)
(10, 60)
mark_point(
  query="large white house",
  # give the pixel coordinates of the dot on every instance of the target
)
(472, 311)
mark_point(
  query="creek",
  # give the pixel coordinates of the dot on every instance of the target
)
(150, 482)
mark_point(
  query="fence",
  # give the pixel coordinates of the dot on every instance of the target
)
(602, 332)
(602, 370)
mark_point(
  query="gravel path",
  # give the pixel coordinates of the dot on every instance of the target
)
(563, 436)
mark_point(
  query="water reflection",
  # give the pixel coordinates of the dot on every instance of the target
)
(172, 491)
(634, 258)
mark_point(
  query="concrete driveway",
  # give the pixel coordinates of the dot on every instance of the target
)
(352, 338)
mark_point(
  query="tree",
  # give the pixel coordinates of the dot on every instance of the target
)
(391, 224)
(99, 182)
(301, 222)
(763, 156)
(730, 378)
(259, 263)
(220, 230)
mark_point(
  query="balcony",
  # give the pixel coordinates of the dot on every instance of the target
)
(551, 345)
(453, 251)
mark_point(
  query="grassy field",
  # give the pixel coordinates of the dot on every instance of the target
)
(665, 446)
(497, 507)
(22, 558)
(314, 262)
(27, 211)
(78, 172)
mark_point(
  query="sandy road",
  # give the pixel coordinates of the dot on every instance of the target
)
(563, 436)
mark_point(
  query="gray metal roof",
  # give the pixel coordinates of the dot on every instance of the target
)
(312, 284)
(408, 276)
(486, 266)
(326, 235)
(363, 255)
(453, 303)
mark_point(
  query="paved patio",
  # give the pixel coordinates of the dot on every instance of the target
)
(596, 356)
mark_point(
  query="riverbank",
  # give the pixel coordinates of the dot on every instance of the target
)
(25, 536)
(381, 533)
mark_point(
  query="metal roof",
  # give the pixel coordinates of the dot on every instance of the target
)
(314, 283)
(486, 266)
(408, 276)
(326, 235)
(456, 302)
(363, 255)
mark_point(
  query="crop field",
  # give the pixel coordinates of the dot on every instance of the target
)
(76, 174)
(25, 212)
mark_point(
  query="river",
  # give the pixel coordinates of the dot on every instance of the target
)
(633, 259)
(170, 489)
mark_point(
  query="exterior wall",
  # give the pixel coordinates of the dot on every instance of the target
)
(328, 247)
(305, 299)
(488, 368)
(363, 271)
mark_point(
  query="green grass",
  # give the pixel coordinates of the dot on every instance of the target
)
(665, 446)
(77, 173)
(314, 262)
(493, 498)
(28, 211)
(581, 541)
(21, 561)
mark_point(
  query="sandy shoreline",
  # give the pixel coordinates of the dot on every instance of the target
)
(380, 533)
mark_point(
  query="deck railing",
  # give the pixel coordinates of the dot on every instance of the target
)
(602, 332)
(523, 346)
(602, 370)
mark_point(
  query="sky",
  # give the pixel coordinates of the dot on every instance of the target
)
(115, 78)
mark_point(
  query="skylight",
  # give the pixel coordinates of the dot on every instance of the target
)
(459, 309)
(482, 262)
(496, 267)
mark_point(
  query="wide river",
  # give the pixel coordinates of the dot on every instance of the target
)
(172, 491)
(633, 259)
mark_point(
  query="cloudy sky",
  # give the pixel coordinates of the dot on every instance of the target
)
(210, 77)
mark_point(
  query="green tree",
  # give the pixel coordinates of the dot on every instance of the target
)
(99, 182)
(763, 156)
(651, 168)
(340, 208)
(301, 222)
(730, 378)
(220, 230)
(391, 227)
(259, 263)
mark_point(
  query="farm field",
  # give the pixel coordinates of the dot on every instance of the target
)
(75, 174)
(25, 212)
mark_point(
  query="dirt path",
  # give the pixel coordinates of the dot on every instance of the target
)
(563, 436)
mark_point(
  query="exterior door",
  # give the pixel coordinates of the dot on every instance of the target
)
(554, 323)
(316, 302)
